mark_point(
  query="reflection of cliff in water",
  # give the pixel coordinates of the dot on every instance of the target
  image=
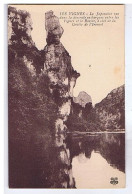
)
(65, 166)
(49, 164)
(55, 171)
(39, 163)
(110, 146)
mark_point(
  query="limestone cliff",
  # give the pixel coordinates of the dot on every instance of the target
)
(57, 61)
(58, 67)
(39, 104)
(20, 43)
(19, 27)
(54, 61)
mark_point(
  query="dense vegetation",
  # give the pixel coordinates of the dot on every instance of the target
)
(111, 110)
(32, 114)
(88, 120)
(33, 155)
(109, 114)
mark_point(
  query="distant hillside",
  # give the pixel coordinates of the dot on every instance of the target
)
(111, 110)
(108, 114)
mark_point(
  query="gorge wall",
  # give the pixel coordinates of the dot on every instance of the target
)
(41, 105)
(52, 68)
(40, 92)
(58, 67)
(111, 110)
(52, 63)
(109, 114)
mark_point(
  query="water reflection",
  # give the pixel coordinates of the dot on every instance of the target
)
(67, 161)
(95, 172)
(92, 160)
(95, 159)
(110, 146)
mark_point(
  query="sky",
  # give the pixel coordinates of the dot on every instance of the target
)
(97, 52)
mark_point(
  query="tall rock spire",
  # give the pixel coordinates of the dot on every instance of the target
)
(52, 27)
(58, 67)
(57, 62)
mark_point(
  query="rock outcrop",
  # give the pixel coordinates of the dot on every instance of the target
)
(58, 67)
(83, 98)
(19, 27)
(57, 61)
(54, 61)
(40, 90)
(82, 104)
(20, 43)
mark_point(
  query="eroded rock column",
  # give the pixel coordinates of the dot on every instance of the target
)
(58, 67)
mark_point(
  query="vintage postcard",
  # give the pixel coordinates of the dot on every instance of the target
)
(66, 96)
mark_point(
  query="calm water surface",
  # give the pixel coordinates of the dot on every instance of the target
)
(94, 159)
(68, 161)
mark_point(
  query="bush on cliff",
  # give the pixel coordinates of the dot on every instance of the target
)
(32, 114)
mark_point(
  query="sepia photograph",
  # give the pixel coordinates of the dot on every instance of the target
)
(66, 96)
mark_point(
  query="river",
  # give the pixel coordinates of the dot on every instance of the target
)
(92, 160)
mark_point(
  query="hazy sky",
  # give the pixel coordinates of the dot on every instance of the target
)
(101, 47)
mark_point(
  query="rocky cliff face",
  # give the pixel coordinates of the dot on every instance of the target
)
(40, 90)
(20, 43)
(109, 114)
(57, 61)
(40, 99)
(19, 27)
(58, 67)
(54, 61)
(111, 110)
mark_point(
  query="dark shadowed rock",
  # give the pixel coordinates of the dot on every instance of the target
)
(19, 27)
(34, 159)
(20, 43)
